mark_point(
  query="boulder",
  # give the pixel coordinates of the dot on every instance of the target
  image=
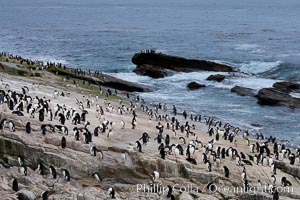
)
(153, 72)
(160, 62)
(286, 86)
(194, 85)
(243, 91)
(26, 195)
(273, 96)
(217, 77)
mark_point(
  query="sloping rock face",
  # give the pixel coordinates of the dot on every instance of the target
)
(123, 175)
(243, 91)
(159, 62)
(194, 85)
(103, 79)
(216, 77)
(287, 168)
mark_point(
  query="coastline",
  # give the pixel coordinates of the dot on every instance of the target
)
(122, 174)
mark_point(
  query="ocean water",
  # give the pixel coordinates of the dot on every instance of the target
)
(260, 38)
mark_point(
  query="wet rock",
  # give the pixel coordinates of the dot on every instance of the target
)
(273, 96)
(194, 85)
(160, 62)
(286, 86)
(243, 91)
(151, 71)
(217, 77)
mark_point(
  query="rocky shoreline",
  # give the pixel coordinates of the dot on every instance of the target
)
(159, 65)
(14, 66)
(122, 175)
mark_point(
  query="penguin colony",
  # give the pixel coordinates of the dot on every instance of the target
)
(174, 134)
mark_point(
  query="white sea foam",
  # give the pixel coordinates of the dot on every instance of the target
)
(254, 48)
(252, 82)
(294, 94)
(130, 76)
(257, 67)
(180, 80)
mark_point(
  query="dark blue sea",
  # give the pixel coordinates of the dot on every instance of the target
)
(261, 38)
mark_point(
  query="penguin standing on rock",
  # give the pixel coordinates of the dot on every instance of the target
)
(63, 142)
(93, 150)
(21, 161)
(292, 158)
(111, 192)
(162, 153)
(28, 128)
(23, 170)
(44, 195)
(15, 185)
(159, 138)
(97, 176)
(76, 134)
(138, 146)
(2, 124)
(167, 140)
(273, 179)
(145, 138)
(53, 172)
(275, 193)
(62, 118)
(273, 167)
(122, 124)
(12, 127)
(226, 171)
(41, 168)
(170, 190)
(41, 115)
(285, 182)
(66, 175)
(208, 166)
(123, 155)
(155, 176)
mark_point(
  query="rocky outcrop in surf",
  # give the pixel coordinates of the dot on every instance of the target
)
(244, 91)
(216, 77)
(279, 94)
(194, 85)
(156, 65)
(287, 86)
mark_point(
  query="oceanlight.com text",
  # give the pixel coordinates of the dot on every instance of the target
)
(212, 188)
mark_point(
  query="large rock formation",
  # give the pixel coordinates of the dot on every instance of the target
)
(279, 94)
(244, 91)
(273, 96)
(194, 85)
(155, 64)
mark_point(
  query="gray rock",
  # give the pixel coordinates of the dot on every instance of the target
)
(217, 77)
(194, 85)
(273, 96)
(286, 86)
(243, 91)
(156, 65)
